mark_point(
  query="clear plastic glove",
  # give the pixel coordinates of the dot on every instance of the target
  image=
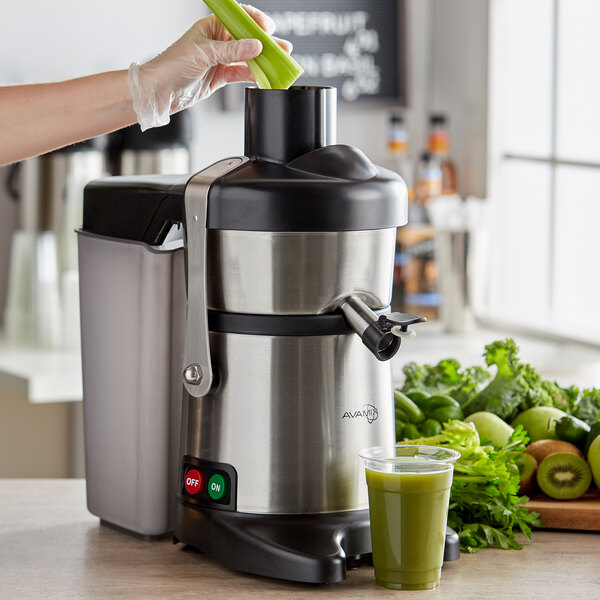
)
(203, 60)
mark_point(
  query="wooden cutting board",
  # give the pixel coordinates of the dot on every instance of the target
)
(582, 514)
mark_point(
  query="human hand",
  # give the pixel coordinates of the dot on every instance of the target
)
(203, 60)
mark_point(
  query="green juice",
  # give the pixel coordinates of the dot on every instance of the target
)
(408, 526)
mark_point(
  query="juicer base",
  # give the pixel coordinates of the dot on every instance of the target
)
(316, 548)
(303, 548)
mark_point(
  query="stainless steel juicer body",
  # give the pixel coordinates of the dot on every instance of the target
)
(303, 273)
(289, 255)
(292, 411)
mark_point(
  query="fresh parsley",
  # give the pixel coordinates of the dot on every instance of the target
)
(485, 508)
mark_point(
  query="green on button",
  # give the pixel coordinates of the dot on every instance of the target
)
(216, 487)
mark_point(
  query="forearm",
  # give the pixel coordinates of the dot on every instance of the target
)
(35, 119)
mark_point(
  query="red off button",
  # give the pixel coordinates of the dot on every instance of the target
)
(193, 481)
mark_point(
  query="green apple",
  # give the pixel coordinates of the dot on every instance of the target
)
(539, 422)
(593, 458)
(491, 427)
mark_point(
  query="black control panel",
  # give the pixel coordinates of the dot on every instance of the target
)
(208, 484)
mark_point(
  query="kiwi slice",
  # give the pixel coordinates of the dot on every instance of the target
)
(564, 476)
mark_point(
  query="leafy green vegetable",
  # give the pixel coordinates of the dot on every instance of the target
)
(516, 387)
(485, 509)
(587, 407)
(562, 398)
(508, 392)
(446, 377)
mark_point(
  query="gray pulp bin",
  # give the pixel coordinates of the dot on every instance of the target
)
(132, 314)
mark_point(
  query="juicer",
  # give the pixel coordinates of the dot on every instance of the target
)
(236, 344)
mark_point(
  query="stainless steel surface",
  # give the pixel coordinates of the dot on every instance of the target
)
(48, 181)
(358, 314)
(197, 350)
(452, 256)
(298, 273)
(147, 162)
(133, 323)
(42, 303)
(291, 415)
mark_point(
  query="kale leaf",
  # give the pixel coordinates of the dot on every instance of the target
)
(587, 408)
(509, 391)
(517, 386)
(563, 398)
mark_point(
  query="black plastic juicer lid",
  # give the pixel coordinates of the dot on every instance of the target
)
(297, 179)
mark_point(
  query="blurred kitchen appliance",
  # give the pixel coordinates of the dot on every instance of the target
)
(286, 278)
(159, 150)
(42, 298)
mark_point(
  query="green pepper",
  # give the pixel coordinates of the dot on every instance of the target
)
(591, 436)
(438, 401)
(410, 432)
(399, 427)
(571, 429)
(447, 413)
(431, 427)
(401, 415)
(418, 397)
(404, 403)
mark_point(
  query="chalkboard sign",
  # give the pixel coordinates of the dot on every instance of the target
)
(357, 46)
(354, 45)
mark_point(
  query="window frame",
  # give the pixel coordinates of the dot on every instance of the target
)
(548, 322)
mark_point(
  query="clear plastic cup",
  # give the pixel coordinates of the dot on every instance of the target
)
(409, 491)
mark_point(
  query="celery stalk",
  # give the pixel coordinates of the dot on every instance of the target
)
(273, 68)
(259, 76)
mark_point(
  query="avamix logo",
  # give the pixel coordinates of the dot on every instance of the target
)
(368, 412)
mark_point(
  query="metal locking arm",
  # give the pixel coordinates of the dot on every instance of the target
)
(197, 371)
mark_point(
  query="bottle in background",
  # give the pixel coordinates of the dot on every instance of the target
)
(429, 182)
(397, 149)
(417, 241)
(439, 146)
(399, 161)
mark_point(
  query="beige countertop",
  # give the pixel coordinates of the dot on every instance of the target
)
(52, 548)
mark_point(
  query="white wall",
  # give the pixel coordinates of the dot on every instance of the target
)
(49, 41)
